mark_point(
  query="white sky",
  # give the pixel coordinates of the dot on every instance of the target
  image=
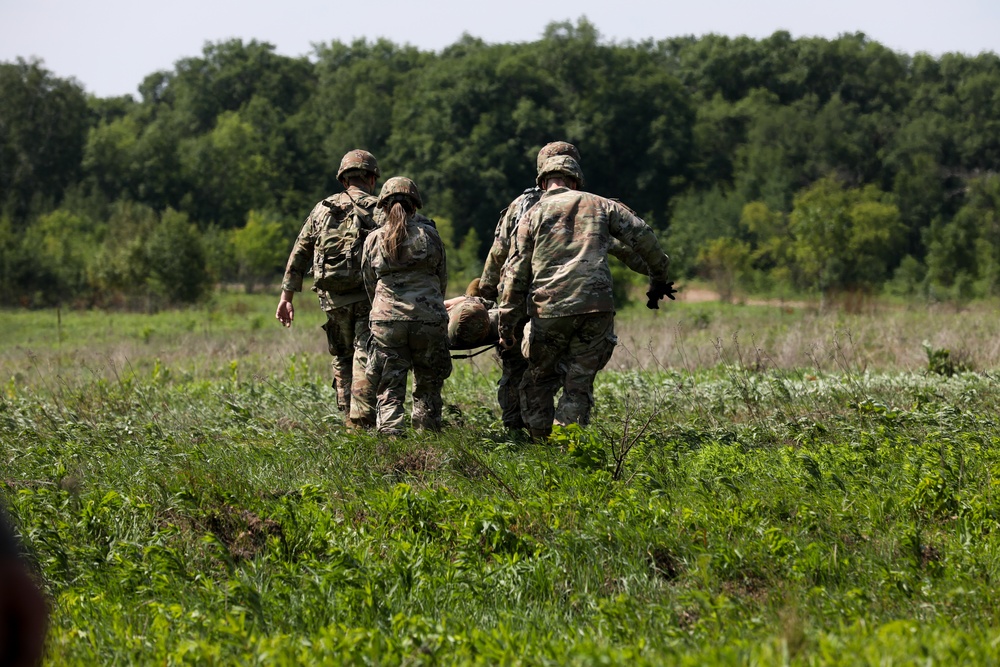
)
(109, 46)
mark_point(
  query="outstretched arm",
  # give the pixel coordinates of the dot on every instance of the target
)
(629, 257)
(300, 260)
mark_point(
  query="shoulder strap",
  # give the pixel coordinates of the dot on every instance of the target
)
(489, 347)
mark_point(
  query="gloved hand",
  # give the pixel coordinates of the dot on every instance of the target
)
(657, 290)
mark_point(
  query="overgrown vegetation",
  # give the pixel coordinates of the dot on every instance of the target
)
(726, 511)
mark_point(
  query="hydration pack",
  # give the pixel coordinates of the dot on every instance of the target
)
(337, 265)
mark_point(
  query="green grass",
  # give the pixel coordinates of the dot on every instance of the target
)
(726, 512)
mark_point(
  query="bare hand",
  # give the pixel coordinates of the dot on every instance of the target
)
(506, 344)
(285, 313)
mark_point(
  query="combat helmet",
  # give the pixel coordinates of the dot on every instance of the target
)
(561, 164)
(399, 187)
(468, 324)
(358, 160)
(553, 149)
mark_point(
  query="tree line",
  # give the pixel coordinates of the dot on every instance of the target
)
(776, 164)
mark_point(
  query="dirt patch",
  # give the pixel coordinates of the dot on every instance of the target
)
(243, 532)
(697, 295)
(702, 295)
(929, 555)
(750, 588)
(664, 563)
(417, 461)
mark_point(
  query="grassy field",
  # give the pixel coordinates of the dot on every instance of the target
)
(763, 485)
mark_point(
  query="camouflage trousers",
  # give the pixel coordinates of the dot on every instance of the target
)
(513, 365)
(347, 337)
(397, 347)
(566, 351)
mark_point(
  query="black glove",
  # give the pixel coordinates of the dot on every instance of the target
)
(657, 290)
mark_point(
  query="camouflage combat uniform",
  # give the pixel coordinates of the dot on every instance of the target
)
(346, 314)
(558, 271)
(513, 363)
(409, 325)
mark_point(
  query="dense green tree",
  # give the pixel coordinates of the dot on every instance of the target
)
(359, 85)
(724, 261)
(229, 172)
(260, 248)
(781, 147)
(771, 244)
(43, 127)
(964, 253)
(844, 237)
(699, 218)
(55, 249)
(121, 265)
(176, 259)
(229, 75)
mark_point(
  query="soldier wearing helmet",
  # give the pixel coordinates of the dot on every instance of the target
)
(330, 244)
(514, 364)
(558, 272)
(406, 277)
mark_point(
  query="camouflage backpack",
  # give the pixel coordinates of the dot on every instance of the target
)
(337, 262)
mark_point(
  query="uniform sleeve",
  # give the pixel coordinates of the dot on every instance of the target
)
(637, 235)
(629, 257)
(367, 270)
(443, 266)
(517, 276)
(498, 253)
(301, 258)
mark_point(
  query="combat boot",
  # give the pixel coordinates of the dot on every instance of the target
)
(540, 434)
(360, 424)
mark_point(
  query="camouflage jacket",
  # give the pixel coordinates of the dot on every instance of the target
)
(411, 288)
(558, 262)
(504, 235)
(305, 252)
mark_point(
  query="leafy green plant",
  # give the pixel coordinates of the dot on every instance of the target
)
(942, 362)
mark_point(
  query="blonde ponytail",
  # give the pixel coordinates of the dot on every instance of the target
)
(395, 229)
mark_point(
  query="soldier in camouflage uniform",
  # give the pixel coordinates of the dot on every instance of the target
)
(513, 363)
(406, 277)
(558, 270)
(346, 312)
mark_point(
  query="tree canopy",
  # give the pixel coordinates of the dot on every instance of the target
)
(818, 164)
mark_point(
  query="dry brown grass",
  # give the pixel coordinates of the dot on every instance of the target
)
(688, 335)
(881, 337)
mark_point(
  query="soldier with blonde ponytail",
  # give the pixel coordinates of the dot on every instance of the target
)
(406, 276)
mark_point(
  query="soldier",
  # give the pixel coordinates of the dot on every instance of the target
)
(406, 277)
(512, 361)
(330, 243)
(558, 269)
